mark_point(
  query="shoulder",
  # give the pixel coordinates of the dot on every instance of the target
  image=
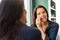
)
(30, 30)
(31, 33)
(53, 24)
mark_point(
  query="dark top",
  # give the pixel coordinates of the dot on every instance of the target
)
(51, 31)
(28, 33)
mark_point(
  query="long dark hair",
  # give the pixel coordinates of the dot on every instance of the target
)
(12, 10)
(35, 14)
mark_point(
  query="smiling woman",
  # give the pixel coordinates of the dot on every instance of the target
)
(42, 23)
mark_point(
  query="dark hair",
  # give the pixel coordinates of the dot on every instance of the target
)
(12, 10)
(35, 14)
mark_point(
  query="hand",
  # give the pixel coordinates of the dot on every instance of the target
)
(39, 26)
(38, 22)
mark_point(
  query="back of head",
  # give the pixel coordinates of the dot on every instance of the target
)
(12, 10)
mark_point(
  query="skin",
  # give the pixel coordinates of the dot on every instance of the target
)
(23, 17)
(41, 21)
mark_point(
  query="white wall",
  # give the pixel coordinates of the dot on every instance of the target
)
(28, 6)
(0, 1)
(58, 14)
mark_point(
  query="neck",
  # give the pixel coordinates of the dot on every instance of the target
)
(45, 23)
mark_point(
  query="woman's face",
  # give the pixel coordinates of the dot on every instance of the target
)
(41, 13)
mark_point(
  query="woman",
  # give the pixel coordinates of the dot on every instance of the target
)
(12, 22)
(40, 20)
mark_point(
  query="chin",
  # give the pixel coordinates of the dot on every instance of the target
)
(44, 20)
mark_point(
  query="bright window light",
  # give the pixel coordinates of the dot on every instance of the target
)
(0, 1)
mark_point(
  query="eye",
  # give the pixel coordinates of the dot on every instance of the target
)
(38, 13)
(44, 12)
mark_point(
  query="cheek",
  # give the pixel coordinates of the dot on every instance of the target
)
(45, 16)
(24, 16)
(38, 16)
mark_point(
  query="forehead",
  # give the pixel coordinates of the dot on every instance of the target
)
(40, 9)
